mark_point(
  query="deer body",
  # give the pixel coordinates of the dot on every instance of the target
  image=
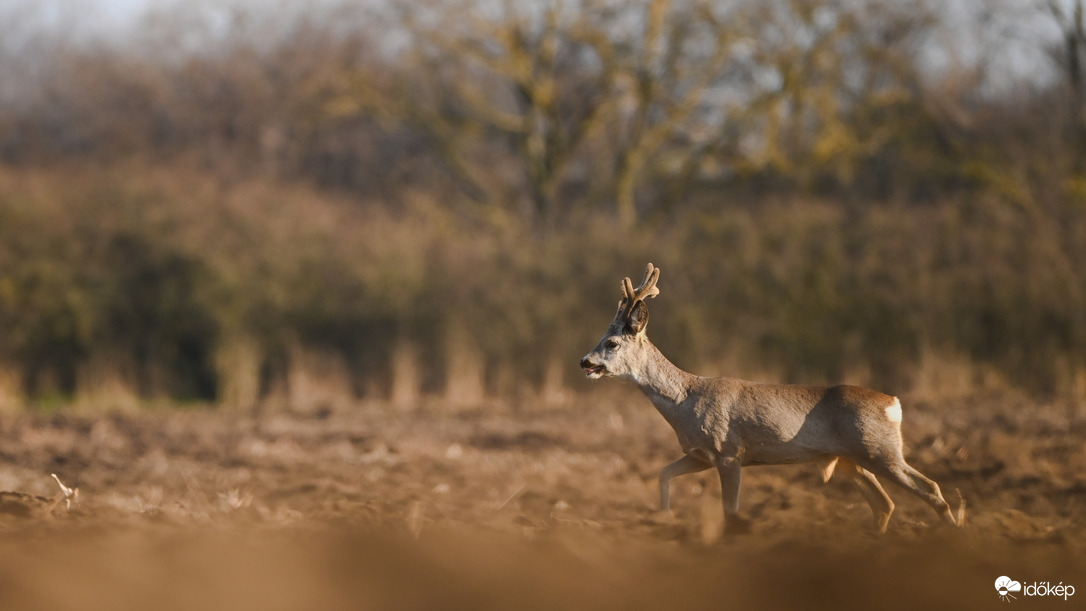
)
(728, 423)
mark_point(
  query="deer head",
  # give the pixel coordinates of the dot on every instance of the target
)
(620, 350)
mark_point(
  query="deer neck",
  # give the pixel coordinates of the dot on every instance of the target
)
(664, 383)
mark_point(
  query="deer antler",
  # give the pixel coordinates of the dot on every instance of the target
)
(647, 289)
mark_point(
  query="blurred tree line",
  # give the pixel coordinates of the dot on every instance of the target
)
(392, 202)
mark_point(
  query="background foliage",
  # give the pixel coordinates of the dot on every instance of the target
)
(305, 208)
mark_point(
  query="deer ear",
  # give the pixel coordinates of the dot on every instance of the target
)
(638, 319)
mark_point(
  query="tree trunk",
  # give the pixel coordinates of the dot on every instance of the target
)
(464, 369)
(12, 393)
(406, 387)
(237, 366)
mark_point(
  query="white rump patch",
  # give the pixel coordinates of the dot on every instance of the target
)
(893, 412)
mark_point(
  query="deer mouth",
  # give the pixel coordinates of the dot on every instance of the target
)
(594, 371)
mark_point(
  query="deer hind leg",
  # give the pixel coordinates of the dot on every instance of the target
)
(881, 504)
(915, 482)
(686, 464)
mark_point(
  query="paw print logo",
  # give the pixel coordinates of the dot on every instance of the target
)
(1004, 586)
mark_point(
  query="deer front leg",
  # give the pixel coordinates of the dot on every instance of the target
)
(729, 469)
(686, 464)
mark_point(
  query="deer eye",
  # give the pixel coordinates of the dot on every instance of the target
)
(611, 344)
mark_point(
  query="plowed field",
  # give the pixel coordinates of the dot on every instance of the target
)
(509, 506)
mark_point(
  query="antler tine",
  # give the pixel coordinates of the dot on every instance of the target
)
(648, 285)
(647, 289)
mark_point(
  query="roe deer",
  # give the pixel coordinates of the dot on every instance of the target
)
(728, 423)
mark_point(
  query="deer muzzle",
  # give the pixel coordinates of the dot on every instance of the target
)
(592, 370)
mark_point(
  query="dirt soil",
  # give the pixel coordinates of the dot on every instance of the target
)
(516, 507)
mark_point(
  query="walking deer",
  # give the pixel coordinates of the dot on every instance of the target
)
(728, 423)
